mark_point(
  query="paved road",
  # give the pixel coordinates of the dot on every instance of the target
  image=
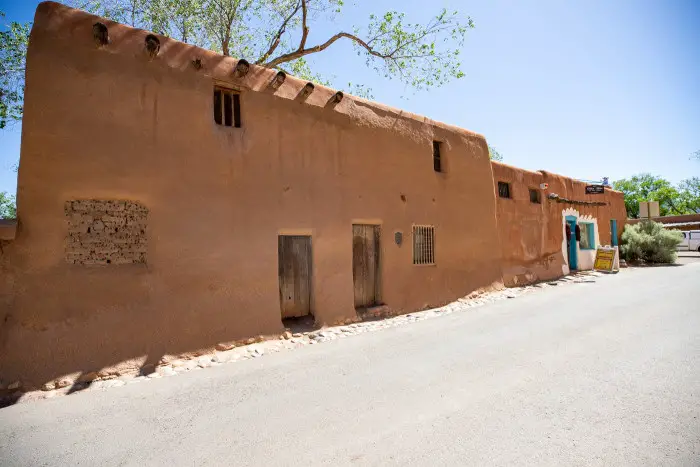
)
(687, 257)
(604, 373)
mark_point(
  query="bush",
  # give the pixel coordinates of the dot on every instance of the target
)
(650, 242)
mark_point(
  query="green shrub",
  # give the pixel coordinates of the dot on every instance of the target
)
(8, 208)
(650, 242)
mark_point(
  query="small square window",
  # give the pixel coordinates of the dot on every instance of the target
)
(423, 244)
(535, 196)
(227, 107)
(587, 241)
(437, 161)
(504, 189)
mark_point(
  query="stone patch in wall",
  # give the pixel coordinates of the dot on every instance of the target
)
(106, 232)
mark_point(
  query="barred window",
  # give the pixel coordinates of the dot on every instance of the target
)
(227, 107)
(504, 189)
(437, 157)
(423, 244)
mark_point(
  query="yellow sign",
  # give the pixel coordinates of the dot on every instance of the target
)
(604, 259)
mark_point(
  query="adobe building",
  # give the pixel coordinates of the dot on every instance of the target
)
(549, 226)
(170, 198)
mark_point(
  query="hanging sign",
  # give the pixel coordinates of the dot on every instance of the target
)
(605, 259)
(595, 189)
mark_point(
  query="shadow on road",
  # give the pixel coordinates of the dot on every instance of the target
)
(10, 399)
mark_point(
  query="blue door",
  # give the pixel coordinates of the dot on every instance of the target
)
(573, 250)
(613, 232)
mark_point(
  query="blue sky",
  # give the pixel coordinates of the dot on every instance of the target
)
(583, 88)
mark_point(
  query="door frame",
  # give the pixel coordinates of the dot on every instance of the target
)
(573, 244)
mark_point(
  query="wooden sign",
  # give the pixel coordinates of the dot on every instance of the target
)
(595, 189)
(605, 259)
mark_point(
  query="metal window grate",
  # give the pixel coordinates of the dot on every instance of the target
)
(423, 244)
(504, 189)
(227, 107)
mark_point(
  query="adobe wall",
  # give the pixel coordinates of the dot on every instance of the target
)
(686, 221)
(533, 246)
(107, 124)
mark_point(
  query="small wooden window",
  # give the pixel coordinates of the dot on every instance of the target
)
(504, 189)
(535, 196)
(227, 107)
(423, 244)
(437, 162)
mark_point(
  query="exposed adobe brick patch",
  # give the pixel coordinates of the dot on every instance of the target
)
(106, 232)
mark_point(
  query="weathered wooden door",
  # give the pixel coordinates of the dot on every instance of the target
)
(295, 275)
(365, 264)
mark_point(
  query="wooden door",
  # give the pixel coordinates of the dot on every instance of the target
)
(295, 275)
(365, 264)
(613, 232)
(573, 245)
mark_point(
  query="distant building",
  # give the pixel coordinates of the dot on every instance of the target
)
(681, 222)
(538, 229)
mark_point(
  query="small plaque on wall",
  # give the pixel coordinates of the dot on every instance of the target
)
(398, 238)
(595, 189)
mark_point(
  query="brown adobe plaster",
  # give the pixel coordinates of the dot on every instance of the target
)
(532, 234)
(110, 123)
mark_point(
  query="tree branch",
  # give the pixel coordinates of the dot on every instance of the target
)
(304, 27)
(278, 36)
(311, 50)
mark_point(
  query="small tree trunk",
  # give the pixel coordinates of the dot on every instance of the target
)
(224, 44)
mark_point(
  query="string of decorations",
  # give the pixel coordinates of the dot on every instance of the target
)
(559, 199)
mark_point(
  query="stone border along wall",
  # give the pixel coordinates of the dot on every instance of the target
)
(106, 232)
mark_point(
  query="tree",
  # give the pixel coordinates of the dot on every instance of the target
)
(495, 155)
(275, 33)
(8, 208)
(673, 200)
(13, 51)
(270, 33)
(695, 155)
(690, 194)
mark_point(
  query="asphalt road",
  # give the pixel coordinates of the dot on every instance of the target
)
(604, 373)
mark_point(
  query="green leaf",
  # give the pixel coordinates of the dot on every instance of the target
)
(673, 200)
(14, 38)
(8, 208)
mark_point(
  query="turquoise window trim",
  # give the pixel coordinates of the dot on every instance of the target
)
(590, 229)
